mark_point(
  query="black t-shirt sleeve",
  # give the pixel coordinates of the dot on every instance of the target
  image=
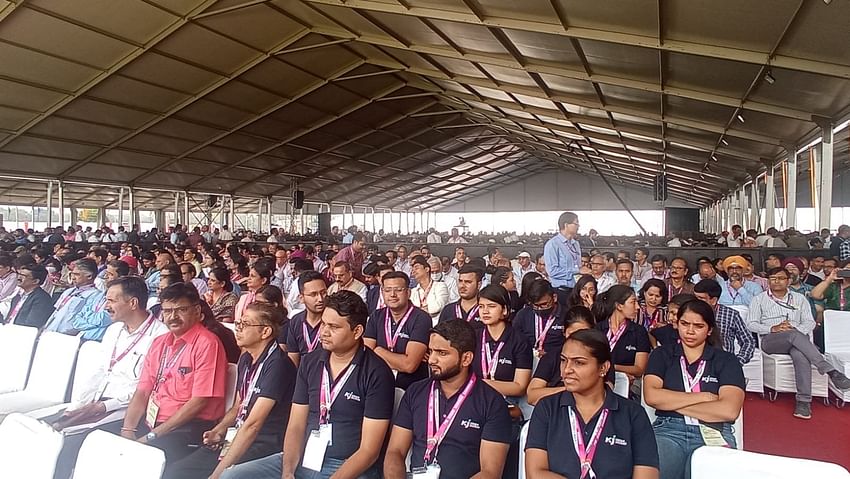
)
(644, 447)
(404, 415)
(447, 314)
(497, 425)
(665, 334)
(539, 427)
(658, 363)
(421, 332)
(522, 354)
(283, 335)
(546, 367)
(270, 383)
(730, 372)
(292, 345)
(302, 390)
(380, 394)
(642, 343)
(372, 326)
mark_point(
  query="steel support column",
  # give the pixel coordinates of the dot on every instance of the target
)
(260, 215)
(62, 205)
(186, 219)
(231, 217)
(176, 208)
(824, 169)
(131, 207)
(791, 192)
(769, 198)
(754, 204)
(49, 205)
(120, 205)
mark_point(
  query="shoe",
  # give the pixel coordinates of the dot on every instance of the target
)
(839, 379)
(803, 410)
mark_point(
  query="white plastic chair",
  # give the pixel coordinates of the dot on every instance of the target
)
(89, 364)
(779, 378)
(49, 376)
(230, 389)
(523, 438)
(621, 384)
(107, 456)
(836, 339)
(714, 462)
(28, 448)
(16, 345)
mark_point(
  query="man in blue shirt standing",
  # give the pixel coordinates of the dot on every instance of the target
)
(562, 255)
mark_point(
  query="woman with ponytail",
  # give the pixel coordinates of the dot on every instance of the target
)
(616, 311)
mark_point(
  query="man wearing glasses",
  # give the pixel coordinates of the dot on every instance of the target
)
(180, 393)
(399, 333)
(783, 319)
(562, 255)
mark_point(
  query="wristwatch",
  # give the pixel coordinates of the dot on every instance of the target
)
(150, 436)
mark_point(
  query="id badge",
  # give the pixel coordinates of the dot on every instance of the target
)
(152, 412)
(428, 472)
(229, 436)
(711, 436)
(317, 445)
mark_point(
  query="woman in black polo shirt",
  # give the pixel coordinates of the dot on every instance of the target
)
(696, 388)
(502, 356)
(616, 310)
(598, 433)
(584, 294)
(547, 380)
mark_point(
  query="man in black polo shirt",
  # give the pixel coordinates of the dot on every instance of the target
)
(254, 426)
(399, 332)
(458, 426)
(303, 334)
(468, 285)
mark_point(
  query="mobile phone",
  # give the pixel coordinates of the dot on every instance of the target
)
(844, 273)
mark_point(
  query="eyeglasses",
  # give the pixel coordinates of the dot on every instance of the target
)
(393, 290)
(240, 325)
(778, 279)
(178, 311)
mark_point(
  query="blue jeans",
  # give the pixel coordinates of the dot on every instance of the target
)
(677, 441)
(271, 467)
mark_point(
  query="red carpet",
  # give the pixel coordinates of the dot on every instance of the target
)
(770, 428)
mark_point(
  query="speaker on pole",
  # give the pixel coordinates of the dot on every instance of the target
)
(324, 224)
(298, 199)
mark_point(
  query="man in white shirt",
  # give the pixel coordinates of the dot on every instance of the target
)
(225, 234)
(455, 238)
(438, 275)
(123, 351)
(344, 280)
(8, 278)
(523, 267)
(604, 280)
(434, 237)
(736, 238)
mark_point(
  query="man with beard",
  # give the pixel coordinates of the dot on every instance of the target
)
(677, 283)
(737, 291)
(180, 393)
(457, 425)
(468, 285)
(303, 337)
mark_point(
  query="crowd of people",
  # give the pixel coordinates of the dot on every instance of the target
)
(361, 362)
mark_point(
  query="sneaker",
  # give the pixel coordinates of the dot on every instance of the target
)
(803, 410)
(839, 379)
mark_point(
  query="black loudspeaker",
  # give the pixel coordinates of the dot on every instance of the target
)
(660, 187)
(298, 200)
(212, 200)
(324, 224)
(681, 219)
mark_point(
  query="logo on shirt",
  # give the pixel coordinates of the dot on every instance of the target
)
(631, 348)
(709, 379)
(352, 397)
(505, 361)
(470, 424)
(556, 327)
(404, 335)
(615, 441)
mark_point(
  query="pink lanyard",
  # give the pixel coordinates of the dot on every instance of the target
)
(75, 293)
(327, 396)
(391, 338)
(437, 434)
(541, 327)
(649, 320)
(163, 366)
(423, 299)
(489, 362)
(691, 383)
(248, 384)
(311, 343)
(114, 360)
(613, 337)
(473, 313)
(14, 313)
(586, 454)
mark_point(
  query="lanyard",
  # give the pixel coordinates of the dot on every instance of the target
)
(787, 304)
(391, 338)
(423, 298)
(650, 320)
(574, 253)
(586, 453)
(327, 396)
(14, 313)
(541, 327)
(673, 292)
(613, 336)
(436, 433)
(311, 343)
(691, 383)
(248, 385)
(144, 329)
(473, 313)
(489, 361)
(163, 366)
(75, 293)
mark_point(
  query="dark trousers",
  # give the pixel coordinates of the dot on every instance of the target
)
(563, 294)
(201, 463)
(180, 442)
